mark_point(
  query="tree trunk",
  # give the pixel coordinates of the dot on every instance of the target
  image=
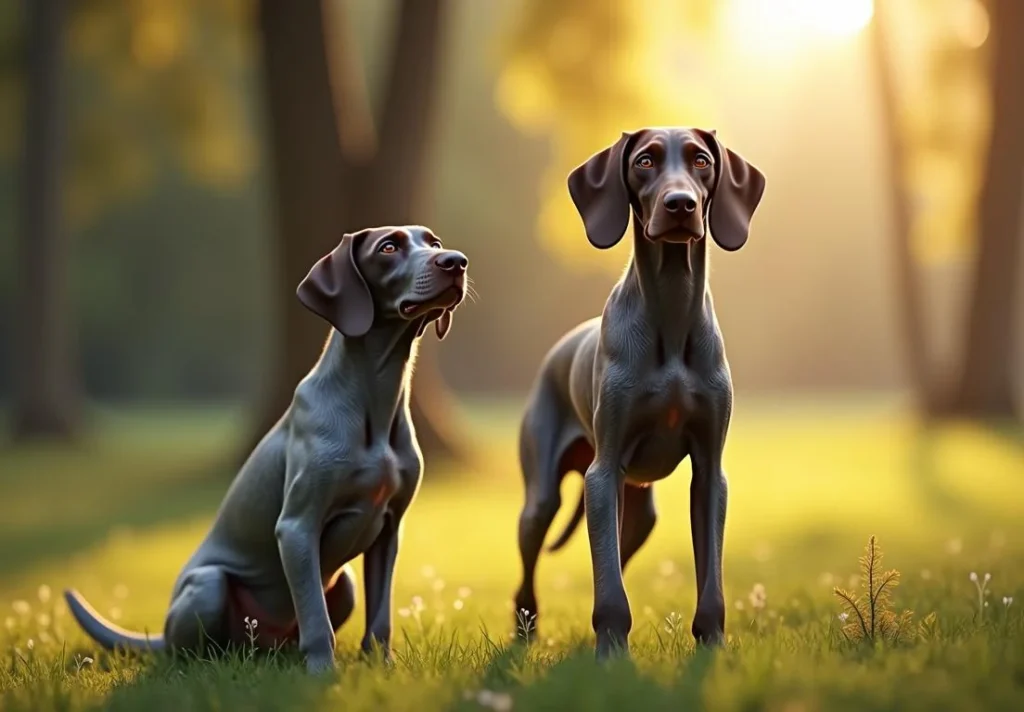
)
(985, 389)
(46, 387)
(333, 174)
(910, 305)
(307, 184)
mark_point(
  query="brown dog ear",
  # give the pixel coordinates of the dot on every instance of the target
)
(736, 195)
(335, 290)
(598, 190)
(443, 324)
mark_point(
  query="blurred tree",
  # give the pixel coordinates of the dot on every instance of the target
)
(46, 402)
(147, 83)
(583, 72)
(955, 169)
(157, 80)
(334, 170)
(986, 383)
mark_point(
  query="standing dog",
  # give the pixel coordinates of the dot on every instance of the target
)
(624, 398)
(333, 478)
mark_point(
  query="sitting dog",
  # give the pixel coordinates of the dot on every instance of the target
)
(626, 397)
(332, 479)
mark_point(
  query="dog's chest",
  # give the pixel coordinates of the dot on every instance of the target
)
(380, 477)
(667, 401)
(360, 509)
(668, 397)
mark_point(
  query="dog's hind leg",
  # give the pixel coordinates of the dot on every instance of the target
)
(341, 597)
(638, 519)
(198, 613)
(542, 451)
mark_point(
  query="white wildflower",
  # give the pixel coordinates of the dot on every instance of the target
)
(758, 596)
(498, 701)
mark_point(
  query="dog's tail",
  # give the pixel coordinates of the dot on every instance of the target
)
(106, 633)
(570, 528)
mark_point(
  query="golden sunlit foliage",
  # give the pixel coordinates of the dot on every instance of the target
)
(945, 109)
(149, 80)
(581, 72)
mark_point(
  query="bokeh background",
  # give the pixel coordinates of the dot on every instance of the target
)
(170, 169)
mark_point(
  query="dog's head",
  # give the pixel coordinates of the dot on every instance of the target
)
(386, 273)
(677, 181)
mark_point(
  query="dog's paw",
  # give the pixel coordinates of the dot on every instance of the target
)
(709, 631)
(611, 648)
(709, 626)
(320, 664)
(375, 650)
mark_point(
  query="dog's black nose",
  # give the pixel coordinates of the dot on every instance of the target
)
(452, 261)
(680, 200)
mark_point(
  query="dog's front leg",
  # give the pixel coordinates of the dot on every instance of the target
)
(378, 572)
(708, 499)
(603, 498)
(299, 528)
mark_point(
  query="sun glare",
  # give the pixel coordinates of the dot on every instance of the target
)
(785, 25)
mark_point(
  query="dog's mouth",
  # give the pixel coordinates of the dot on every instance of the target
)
(447, 298)
(676, 236)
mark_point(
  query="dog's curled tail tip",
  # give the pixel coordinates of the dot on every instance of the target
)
(108, 635)
(570, 528)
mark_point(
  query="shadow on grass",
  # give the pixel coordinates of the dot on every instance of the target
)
(926, 475)
(234, 682)
(578, 682)
(925, 466)
(192, 493)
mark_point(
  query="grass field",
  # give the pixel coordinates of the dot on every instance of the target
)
(808, 486)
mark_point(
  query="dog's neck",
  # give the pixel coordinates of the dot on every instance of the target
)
(375, 367)
(671, 280)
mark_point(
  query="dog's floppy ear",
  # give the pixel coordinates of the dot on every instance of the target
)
(335, 290)
(736, 195)
(598, 190)
(443, 324)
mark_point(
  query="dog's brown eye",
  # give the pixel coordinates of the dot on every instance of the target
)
(701, 161)
(644, 161)
(388, 248)
(435, 245)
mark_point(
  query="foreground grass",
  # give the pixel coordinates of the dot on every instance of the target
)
(808, 486)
